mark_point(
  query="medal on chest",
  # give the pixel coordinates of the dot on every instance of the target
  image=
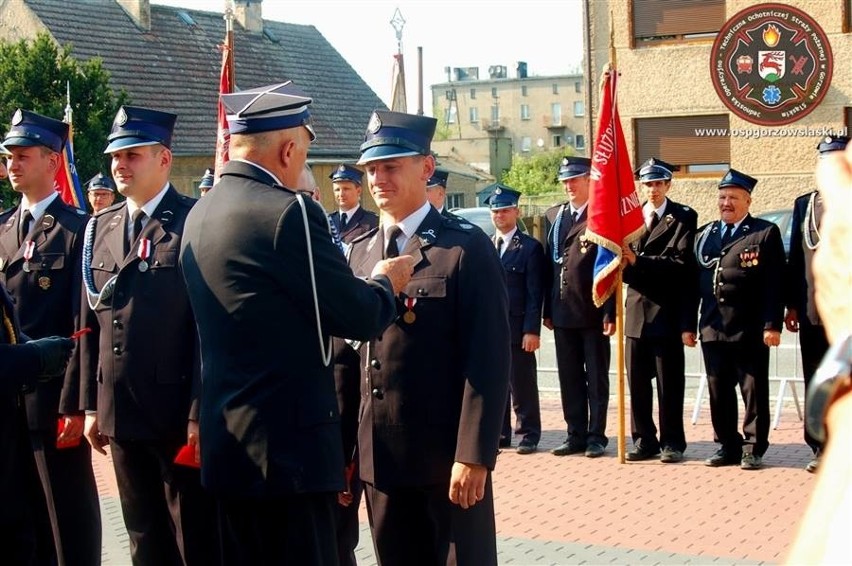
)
(29, 248)
(409, 317)
(143, 252)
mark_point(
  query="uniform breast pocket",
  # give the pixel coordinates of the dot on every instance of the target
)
(48, 261)
(426, 288)
(164, 259)
(103, 263)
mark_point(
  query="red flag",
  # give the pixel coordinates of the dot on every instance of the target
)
(223, 133)
(398, 99)
(66, 182)
(615, 214)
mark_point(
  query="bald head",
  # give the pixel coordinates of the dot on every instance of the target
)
(283, 152)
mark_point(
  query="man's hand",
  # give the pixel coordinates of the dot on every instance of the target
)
(467, 484)
(791, 321)
(689, 339)
(398, 270)
(771, 337)
(548, 323)
(72, 429)
(93, 434)
(628, 255)
(608, 328)
(193, 438)
(530, 342)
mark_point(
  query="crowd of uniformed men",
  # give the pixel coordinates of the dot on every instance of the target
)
(435, 328)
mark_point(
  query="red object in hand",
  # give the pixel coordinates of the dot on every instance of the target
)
(186, 457)
(80, 332)
(69, 443)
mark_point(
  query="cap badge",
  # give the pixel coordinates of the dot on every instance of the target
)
(121, 117)
(375, 123)
(341, 168)
(18, 117)
(498, 191)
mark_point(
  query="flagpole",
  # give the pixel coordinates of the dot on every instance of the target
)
(619, 300)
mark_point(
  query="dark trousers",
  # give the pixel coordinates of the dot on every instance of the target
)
(420, 525)
(169, 518)
(661, 358)
(275, 530)
(75, 498)
(814, 345)
(745, 363)
(523, 389)
(348, 527)
(582, 359)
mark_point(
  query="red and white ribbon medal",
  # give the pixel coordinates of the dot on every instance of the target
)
(409, 317)
(29, 248)
(143, 253)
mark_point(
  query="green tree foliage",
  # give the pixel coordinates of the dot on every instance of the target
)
(536, 174)
(34, 75)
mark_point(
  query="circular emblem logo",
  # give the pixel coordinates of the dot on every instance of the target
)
(771, 64)
(121, 117)
(375, 123)
(18, 117)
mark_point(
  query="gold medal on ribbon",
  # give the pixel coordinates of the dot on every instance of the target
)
(409, 317)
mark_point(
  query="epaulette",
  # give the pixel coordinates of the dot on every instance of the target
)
(457, 223)
(8, 210)
(186, 200)
(111, 208)
(366, 235)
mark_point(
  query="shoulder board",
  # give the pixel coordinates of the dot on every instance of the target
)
(704, 227)
(186, 200)
(456, 223)
(364, 236)
(110, 209)
(8, 211)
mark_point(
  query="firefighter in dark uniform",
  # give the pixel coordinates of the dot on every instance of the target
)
(524, 263)
(268, 287)
(741, 266)
(206, 182)
(141, 364)
(580, 329)
(436, 192)
(802, 315)
(433, 394)
(41, 243)
(24, 365)
(101, 192)
(351, 219)
(659, 271)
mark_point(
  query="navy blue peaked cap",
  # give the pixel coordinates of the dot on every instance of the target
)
(734, 178)
(574, 167)
(503, 197)
(135, 126)
(438, 178)
(346, 172)
(278, 106)
(396, 134)
(655, 170)
(100, 182)
(206, 180)
(832, 143)
(31, 129)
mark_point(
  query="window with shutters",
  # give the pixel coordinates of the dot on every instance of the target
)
(676, 20)
(697, 144)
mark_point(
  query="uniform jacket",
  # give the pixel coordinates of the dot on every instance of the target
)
(807, 214)
(434, 388)
(47, 297)
(740, 293)
(568, 294)
(269, 416)
(140, 364)
(524, 264)
(361, 222)
(662, 283)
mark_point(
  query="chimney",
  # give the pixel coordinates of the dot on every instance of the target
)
(139, 11)
(249, 14)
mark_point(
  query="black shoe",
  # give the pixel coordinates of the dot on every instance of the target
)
(723, 458)
(671, 456)
(751, 461)
(813, 465)
(567, 448)
(505, 442)
(595, 450)
(639, 453)
(526, 447)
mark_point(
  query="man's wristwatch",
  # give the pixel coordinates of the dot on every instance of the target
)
(831, 380)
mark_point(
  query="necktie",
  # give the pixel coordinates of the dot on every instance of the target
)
(655, 219)
(726, 237)
(24, 228)
(499, 245)
(138, 217)
(573, 218)
(392, 249)
(343, 219)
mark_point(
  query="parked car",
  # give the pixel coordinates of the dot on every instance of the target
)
(481, 216)
(784, 220)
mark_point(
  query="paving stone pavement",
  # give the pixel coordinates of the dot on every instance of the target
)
(575, 510)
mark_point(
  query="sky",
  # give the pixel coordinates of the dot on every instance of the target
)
(546, 34)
